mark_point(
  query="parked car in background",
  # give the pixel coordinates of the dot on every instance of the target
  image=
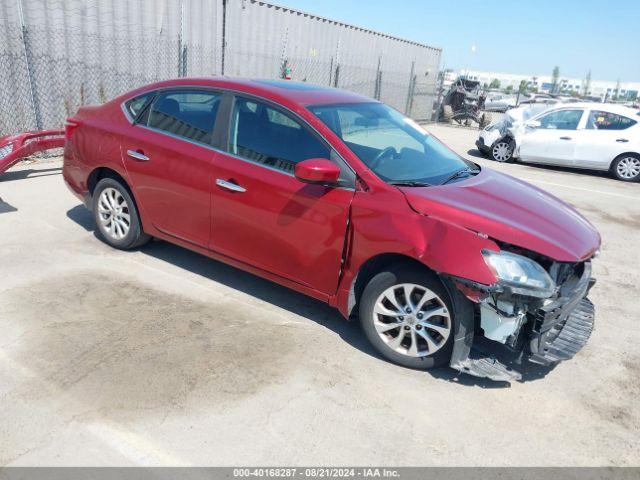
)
(497, 141)
(344, 199)
(582, 135)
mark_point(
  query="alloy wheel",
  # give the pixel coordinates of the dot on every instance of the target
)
(412, 320)
(114, 214)
(501, 152)
(628, 167)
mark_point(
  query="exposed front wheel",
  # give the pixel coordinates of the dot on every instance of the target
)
(502, 151)
(626, 168)
(116, 215)
(406, 314)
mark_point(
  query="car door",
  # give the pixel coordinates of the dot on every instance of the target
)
(169, 158)
(605, 136)
(264, 216)
(553, 141)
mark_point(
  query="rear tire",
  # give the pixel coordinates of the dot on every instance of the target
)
(626, 167)
(447, 114)
(423, 337)
(116, 216)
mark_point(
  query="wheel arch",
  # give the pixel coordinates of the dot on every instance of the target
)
(370, 268)
(629, 153)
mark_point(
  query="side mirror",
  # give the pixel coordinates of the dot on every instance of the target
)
(317, 170)
(533, 124)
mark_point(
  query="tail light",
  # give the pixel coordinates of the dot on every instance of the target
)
(69, 127)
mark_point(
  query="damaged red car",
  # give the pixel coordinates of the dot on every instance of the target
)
(344, 199)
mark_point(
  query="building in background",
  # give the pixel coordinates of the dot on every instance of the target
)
(602, 89)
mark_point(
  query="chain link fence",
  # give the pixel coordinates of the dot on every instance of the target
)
(56, 55)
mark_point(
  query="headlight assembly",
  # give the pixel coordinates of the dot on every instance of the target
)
(522, 275)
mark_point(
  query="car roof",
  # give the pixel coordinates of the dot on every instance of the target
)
(301, 93)
(606, 107)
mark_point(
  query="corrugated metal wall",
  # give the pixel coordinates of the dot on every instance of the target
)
(56, 55)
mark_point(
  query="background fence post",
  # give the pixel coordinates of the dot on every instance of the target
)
(410, 91)
(182, 45)
(28, 62)
(376, 90)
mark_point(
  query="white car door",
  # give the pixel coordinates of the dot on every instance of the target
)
(606, 135)
(553, 139)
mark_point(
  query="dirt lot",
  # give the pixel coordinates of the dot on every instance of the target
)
(161, 356)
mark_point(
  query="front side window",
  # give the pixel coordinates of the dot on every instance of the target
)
(188, 114)
(269, 137)
(390, 144)
(599, 120)
(561, 120)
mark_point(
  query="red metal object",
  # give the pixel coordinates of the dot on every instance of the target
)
(26, 144)
(317, 170)
(312, 238)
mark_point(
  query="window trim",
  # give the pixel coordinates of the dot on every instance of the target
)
(220, 138)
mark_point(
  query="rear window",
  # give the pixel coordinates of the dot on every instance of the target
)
(187, 114)
(135, 106)
(599, 120)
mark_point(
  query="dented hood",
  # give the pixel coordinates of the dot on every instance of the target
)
(511, 211)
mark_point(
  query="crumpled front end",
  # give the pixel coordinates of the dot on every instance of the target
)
(513, 327)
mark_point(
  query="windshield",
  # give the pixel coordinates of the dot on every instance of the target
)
(395, 147)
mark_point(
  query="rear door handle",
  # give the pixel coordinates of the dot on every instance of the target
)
(622, 140)
(234, 187)
(565, 138)
(138, 155)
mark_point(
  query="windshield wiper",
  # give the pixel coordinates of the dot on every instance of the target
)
(459, 173)
(410, 183)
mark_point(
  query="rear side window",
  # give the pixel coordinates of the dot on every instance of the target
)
(599, 120)
(561, 120)
(268, 136)
(187, 114)
(137, 104)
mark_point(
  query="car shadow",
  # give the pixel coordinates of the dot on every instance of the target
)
(474, 152)
(29, 173)
(284, 298)
(6, 207)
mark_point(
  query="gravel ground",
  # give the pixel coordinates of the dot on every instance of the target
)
(164, 357)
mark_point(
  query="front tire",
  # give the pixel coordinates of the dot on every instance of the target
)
(502, 151)
(626, 167)
(447, 114)
(407, 315)
(116, 216)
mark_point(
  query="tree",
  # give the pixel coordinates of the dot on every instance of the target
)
(523, 86)
(555, 77)
(616, 92)
(586, 89)
(509, 89)
(495, 83)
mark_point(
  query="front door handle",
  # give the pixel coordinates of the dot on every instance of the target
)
(138, 155)
(622, 140)
(565, 138)
(234, 187)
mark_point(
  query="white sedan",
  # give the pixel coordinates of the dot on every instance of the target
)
(582, 135)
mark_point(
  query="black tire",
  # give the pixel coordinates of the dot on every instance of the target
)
(447, 114)
(406, 274)
(135, 236)
(498, 152)
(619, 173)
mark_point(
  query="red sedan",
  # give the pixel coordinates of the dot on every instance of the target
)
(342, 198)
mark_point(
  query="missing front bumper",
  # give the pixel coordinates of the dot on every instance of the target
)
(555, 332)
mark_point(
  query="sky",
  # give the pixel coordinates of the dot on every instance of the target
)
(522, 37)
